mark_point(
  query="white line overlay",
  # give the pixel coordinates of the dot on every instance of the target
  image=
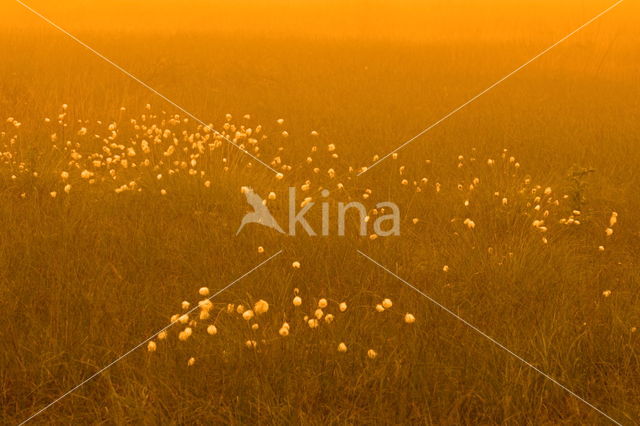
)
(590, 21)
(133, 349)
(133, 77)
(491, 339)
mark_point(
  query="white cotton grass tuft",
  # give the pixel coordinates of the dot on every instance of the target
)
(261, 307)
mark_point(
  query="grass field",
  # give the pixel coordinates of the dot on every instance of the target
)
(519, 214)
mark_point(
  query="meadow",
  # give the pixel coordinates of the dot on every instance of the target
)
(520, 214)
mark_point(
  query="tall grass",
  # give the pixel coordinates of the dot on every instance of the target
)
(87, 274)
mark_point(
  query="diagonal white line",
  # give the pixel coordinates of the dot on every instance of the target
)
(491, 339)
(366, 169)
(133, 77)
(133, 349)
